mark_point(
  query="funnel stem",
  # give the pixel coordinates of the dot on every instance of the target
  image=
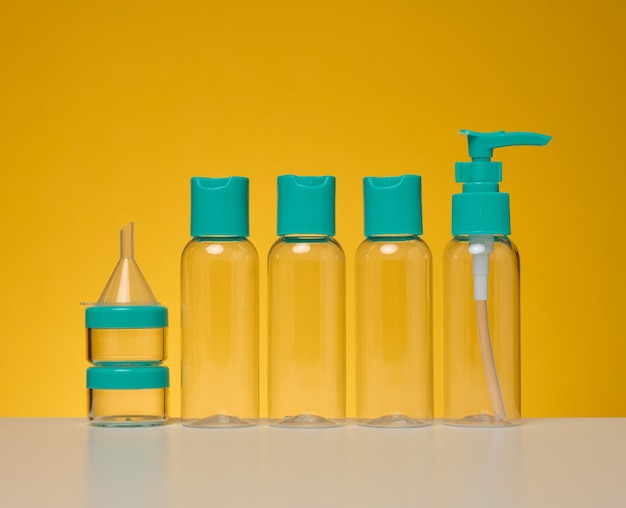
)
(126, 241)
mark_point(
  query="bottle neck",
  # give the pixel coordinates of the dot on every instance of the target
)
(219, 238)
(306, 238)
(466, 238)
(392, 238)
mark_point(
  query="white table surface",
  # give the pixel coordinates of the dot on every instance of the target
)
(544, 462)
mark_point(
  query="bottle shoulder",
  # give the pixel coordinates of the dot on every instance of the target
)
(500, 239)
(394, 248)
(503, 247)
(306, 246)
(322, 241)
(220, 247)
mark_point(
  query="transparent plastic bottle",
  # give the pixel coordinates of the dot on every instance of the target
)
(306, 279)
(467, 396)
(481, 293)
(219, 309)
(393, 308)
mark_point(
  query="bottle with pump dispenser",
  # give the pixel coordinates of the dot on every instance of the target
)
(481, 312)
(219, 309)
(393, 308)
(306, 279)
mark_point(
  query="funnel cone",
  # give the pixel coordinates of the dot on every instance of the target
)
(127, 284)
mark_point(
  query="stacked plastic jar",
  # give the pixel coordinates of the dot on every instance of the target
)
(126, 343)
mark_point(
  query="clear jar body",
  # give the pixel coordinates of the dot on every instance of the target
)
(145, 407)
(466, 395)
(307, 343)
(220, 333)
(126, 346)
(394, 380)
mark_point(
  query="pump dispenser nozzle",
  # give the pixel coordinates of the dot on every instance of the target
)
(482, 209)
(481, 144)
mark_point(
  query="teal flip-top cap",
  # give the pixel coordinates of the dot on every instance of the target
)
(128, 378)
(306, 205)
(392, 205)
(126, 316)
(219, 206)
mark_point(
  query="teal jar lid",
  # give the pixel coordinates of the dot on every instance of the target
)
(392, 205)
(126, 316)
(128, 378)
(306, 205)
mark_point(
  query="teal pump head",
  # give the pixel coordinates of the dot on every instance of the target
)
(482, 209)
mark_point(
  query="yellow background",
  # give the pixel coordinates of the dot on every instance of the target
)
(108, 108)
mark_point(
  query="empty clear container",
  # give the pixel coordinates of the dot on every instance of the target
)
(394, 364)
(219, 309)
(125, 335)
(128, 396)
(306, 281)
(467, 398)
